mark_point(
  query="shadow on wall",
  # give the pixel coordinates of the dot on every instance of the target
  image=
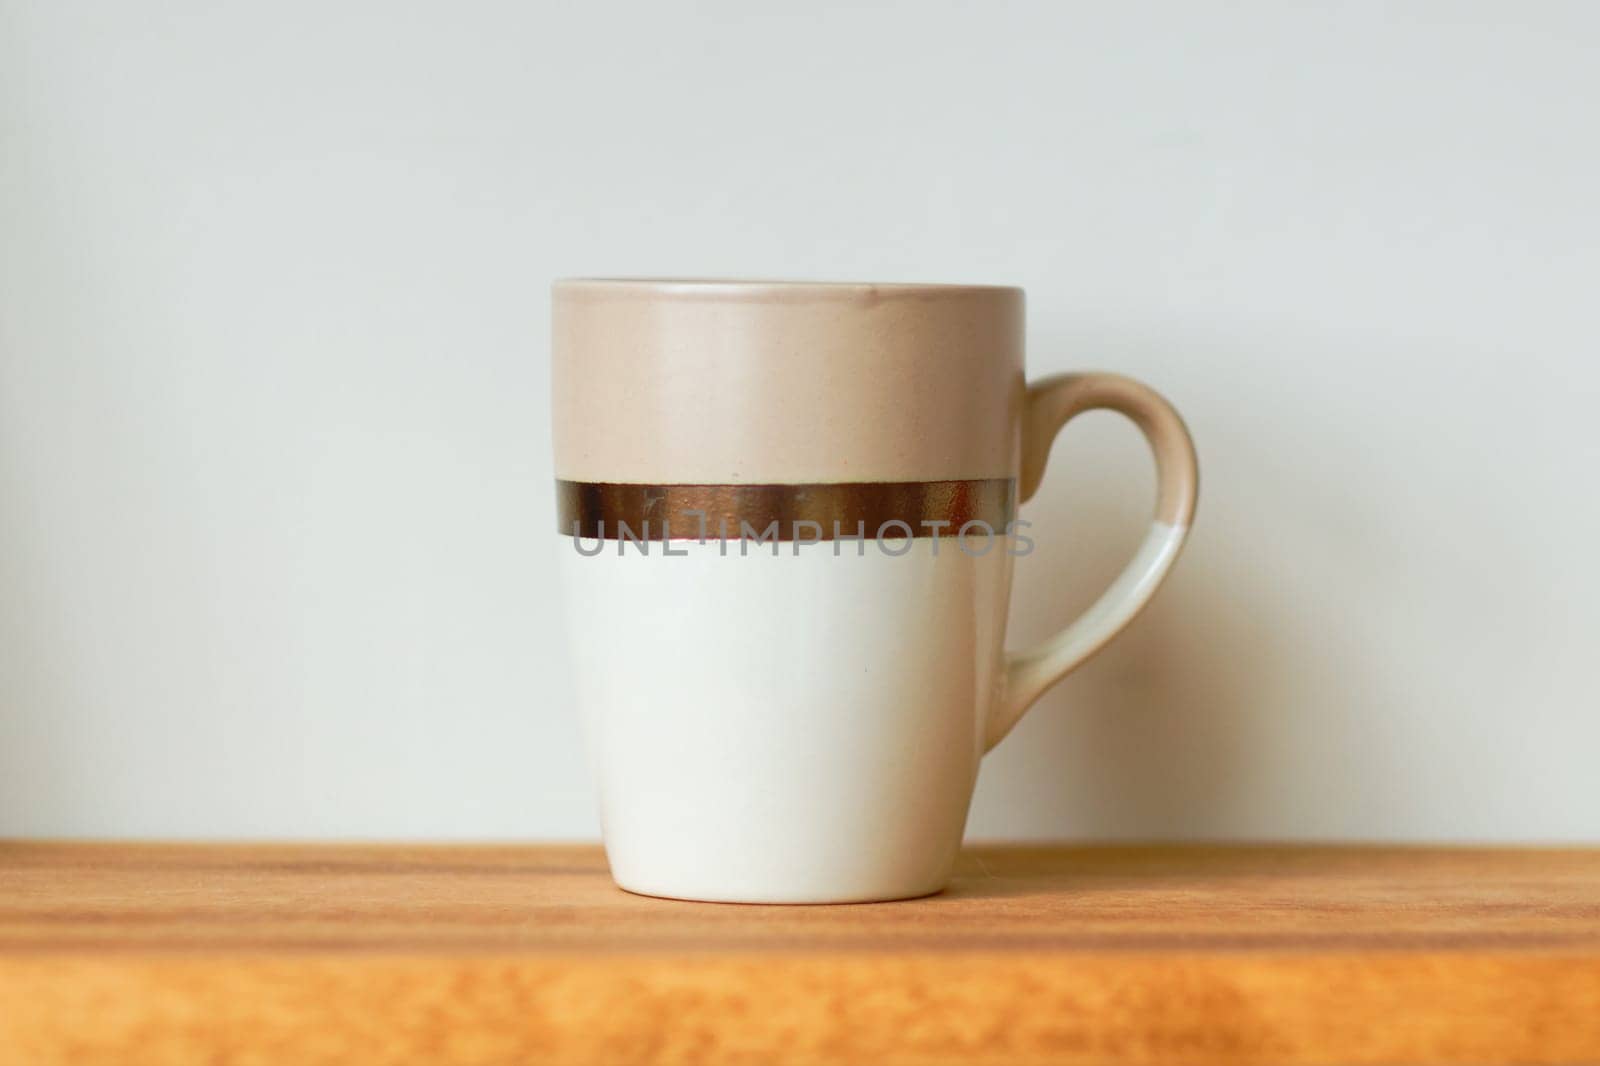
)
(1168, 732)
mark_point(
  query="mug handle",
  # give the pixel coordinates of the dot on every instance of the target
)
(1051, 403)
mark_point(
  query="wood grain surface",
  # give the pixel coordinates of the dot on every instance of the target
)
(311, 954)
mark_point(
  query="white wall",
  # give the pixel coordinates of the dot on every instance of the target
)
(274, 465)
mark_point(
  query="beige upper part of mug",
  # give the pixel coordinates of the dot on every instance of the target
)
(661, 381)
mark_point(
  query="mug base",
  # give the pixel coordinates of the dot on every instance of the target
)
(800, 898)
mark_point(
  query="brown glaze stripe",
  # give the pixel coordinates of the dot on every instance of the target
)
(610, 511)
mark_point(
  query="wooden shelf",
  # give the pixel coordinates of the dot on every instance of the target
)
(244, 954)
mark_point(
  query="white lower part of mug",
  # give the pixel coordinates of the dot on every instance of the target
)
(791, 728)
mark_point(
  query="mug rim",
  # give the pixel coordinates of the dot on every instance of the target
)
(769, 287)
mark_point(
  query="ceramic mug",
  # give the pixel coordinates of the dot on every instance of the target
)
(787, 525)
